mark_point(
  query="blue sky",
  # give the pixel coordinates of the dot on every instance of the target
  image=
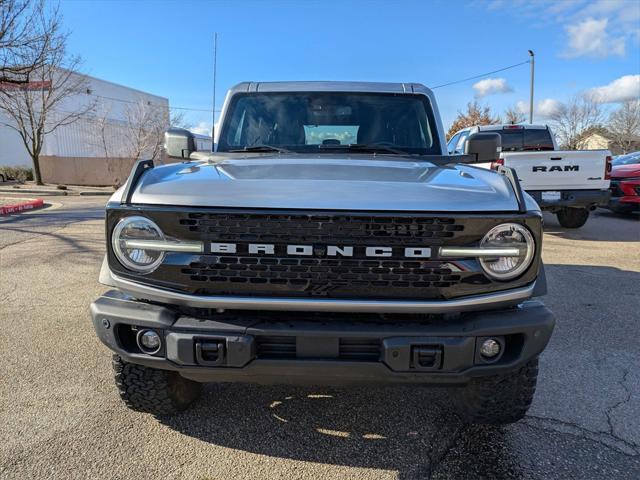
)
(165, 47)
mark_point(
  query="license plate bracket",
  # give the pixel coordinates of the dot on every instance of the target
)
(551, 196)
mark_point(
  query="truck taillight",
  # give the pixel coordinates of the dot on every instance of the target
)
(494, 165)
(607, 167)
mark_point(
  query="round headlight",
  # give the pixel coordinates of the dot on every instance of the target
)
(131, 229)
(508, 235)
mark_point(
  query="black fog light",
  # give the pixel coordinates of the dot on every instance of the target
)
(149, 341)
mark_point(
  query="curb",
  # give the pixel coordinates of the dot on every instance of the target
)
(39, 192)
(20, 207)
(90, 193)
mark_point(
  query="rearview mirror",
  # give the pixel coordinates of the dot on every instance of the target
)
(179, 143)
(485, 146)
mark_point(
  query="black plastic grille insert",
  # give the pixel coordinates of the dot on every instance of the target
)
(350, 229)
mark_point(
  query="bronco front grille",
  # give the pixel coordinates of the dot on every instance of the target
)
(321, 228)
(317, 276)
(322, 274)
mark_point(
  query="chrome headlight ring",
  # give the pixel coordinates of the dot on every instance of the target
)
(132, 229)
(508, 235)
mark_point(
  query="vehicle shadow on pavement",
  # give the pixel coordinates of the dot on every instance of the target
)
(400, 428)
(610, 227)
(414, 431)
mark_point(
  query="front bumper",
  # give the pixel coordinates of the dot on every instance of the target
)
(625, 204)
(252, 347)
(625, 195)
(572, 199)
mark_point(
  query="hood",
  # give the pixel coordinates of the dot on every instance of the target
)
(623, 171)
(326, 182)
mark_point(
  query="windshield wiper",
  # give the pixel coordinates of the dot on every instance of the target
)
(362, 147)
(261, 148)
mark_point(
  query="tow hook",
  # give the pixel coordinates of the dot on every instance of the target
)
(426, 357)
(210, 353)
(428, 354)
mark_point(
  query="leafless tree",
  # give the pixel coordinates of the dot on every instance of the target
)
(37, 108)
(513, 116)
(101, 135)
(624, 126)
(177, 119)
(476, 114)
(145, 125)
(137, 133)
(22, 50)
(575, 117)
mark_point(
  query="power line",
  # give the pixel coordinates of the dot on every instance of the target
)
(208, 110)
(481, 75)
(170, 107)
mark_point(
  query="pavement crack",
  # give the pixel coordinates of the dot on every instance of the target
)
(16, 243)
(610, 410)
(442, 453)
(35, 235)
(607, 439)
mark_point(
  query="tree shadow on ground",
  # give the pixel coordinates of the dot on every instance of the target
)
(405, 429)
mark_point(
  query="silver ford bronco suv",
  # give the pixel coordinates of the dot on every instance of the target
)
(329, 239)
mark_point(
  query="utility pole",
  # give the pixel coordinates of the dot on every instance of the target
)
(213, 113)
(533, 63)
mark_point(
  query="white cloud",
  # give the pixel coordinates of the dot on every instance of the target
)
(203, 128)
(593, 28)
(589, 38)
(627, 12)
(624, 88)
(542, 109)
(547, 107)
(489, 86)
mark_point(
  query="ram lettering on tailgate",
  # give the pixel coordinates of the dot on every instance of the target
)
(556, 168)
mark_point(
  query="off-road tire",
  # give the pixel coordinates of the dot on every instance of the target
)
(149, 390)
(499, 399)
(573, 217)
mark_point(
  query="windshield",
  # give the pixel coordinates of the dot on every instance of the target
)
(521, 140)
(628, 159)
(329, 121)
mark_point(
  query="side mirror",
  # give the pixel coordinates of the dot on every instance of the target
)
(485, 146)
(179, 143)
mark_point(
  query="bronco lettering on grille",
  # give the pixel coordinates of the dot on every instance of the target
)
(319, 251)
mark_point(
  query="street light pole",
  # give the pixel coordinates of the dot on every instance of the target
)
(532, 62)
(213, 115)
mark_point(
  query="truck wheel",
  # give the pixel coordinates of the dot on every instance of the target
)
(573, 217)
(500, 399)
(149, 390)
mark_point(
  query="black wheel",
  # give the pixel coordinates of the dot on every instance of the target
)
(159, 392)
(500, 399)
(2, 179)
(573, 217)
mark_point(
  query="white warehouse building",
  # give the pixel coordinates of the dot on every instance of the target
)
(102, 145)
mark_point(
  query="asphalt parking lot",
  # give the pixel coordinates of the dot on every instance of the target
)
(60, 416)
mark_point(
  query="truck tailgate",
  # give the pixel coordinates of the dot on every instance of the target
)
(560, 170)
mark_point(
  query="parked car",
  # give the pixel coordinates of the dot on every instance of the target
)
(567, 183)
(329, 239)
(625, 184)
